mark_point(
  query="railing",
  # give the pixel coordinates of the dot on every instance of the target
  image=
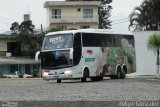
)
(74, 19)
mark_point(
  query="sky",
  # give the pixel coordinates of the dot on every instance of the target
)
(13, 11)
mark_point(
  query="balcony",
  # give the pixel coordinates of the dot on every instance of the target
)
(74, 19)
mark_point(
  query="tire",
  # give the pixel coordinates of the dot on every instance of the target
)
(83, 79)
(58, 80)
(20, 76)
(123, 76)
(85, 75)
(119, 75)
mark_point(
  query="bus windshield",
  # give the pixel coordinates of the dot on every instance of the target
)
(55, 59)
(57, 42)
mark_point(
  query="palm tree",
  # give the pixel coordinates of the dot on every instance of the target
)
(154, 44)
(146, 16)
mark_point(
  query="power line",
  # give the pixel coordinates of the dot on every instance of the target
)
(119, 19)
(120, 22)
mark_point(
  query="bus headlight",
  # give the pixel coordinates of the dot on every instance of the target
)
(45, 72)
(68, 72)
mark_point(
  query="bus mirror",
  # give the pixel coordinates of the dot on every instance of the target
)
(71, 54)
(37, 55)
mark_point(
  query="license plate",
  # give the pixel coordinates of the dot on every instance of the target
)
(56, 77)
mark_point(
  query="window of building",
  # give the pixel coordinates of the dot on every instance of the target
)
(87, 13)
(84, 27)
(62, 27)
(56, 13)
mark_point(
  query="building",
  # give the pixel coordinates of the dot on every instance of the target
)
(26, 17)
(72, 14)
(11, 59)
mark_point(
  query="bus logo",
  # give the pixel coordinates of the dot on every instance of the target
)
(90, 52)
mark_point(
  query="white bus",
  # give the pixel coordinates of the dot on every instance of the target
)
(87, 53)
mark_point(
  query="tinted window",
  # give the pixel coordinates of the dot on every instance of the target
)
(130, 39)
(106, 40)
(90, 40)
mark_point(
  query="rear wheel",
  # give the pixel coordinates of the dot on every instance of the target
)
(58, 80)
(123, 75)
(118, 75)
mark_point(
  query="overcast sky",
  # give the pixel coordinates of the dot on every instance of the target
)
(13, 10)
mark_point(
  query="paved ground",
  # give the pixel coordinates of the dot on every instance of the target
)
(132, 89)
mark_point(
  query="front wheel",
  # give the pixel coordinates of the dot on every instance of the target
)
(58, 80)
(85, 75)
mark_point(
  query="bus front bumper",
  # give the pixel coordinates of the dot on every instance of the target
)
(55, 77)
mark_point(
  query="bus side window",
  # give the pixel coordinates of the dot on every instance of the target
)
(77, 49)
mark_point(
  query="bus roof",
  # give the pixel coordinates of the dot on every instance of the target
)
(100, 31)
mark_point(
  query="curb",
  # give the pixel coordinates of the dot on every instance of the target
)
(21, 79)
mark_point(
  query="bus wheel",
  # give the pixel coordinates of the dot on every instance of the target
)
(85, 75)
(58, 80)
(119, 73)
(124, 71)
(123, 75)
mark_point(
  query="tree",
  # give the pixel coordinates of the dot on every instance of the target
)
(104, 12)
(30, 42)
(14, 27)
(154, 44)
(146, 16)
(27, 25)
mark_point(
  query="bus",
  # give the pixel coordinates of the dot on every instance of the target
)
(87, 53)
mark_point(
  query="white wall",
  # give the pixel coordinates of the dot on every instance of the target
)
(145, 59)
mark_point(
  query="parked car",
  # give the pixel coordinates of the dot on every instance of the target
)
(17, 76)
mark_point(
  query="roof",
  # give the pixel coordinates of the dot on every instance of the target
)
(6, 37)
(100, 31)
(71, 3)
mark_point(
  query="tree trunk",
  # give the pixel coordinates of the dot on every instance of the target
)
(157, 73)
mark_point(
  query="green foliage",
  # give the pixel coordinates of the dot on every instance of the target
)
(53, 29)
(30, 42)
(146, 16)
(154, 42)
(104, 12)
(14, 27)
(27, 26)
